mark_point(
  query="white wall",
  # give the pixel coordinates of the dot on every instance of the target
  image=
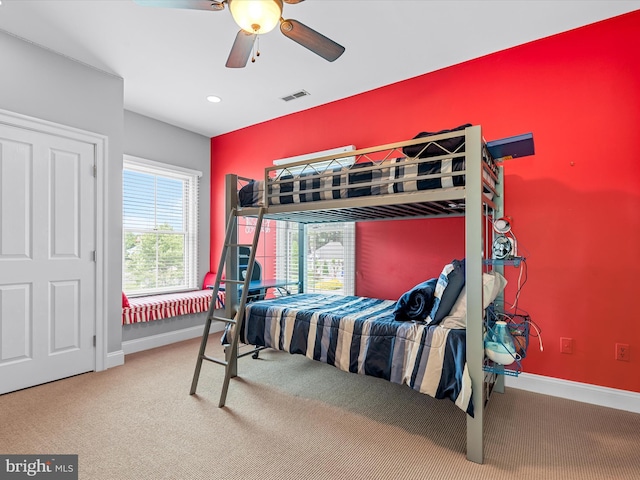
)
(42, 84)
(154, 140)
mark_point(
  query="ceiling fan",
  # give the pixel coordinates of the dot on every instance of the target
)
(255, 17)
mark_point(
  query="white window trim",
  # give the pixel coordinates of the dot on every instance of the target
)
(139, 163)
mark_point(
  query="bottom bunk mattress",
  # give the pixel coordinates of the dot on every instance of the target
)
(361, 335)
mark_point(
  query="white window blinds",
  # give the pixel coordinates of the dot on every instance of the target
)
(160, 227)
(328, 258)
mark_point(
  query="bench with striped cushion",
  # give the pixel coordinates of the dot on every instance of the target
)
(156, 307)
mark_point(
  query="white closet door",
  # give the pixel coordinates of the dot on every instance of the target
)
(47, 264)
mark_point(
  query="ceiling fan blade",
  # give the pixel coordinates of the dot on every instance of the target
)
(192, 4)
(241, 49)
(309, 38)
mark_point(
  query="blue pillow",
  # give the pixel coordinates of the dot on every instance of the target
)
(416, 303)
(448, 288)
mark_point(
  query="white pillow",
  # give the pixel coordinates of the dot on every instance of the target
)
(492, 284)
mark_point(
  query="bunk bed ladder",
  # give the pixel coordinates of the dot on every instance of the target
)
(233, 320)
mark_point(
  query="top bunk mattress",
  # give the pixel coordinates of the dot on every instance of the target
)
(428, 170)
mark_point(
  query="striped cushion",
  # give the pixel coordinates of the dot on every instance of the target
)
(156, 307)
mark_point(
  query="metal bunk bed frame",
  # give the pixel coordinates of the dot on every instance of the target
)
(468, 201)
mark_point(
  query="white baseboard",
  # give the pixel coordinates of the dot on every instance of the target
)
(162, 339)
(114, 359)
(581, 392)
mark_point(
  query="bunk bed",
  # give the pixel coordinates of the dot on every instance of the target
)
(450, 173)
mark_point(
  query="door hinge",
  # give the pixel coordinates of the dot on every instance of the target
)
(94, 340)
(95, 170)
(94, 256)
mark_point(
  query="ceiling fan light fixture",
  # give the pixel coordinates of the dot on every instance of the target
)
(256, 16)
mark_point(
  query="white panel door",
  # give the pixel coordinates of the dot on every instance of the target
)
(47, 267)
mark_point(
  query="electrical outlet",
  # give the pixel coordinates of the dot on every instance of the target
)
(566, 345)
(622, 352)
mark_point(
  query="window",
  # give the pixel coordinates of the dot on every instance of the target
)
(329, 249)
(329, 256)
(160, 227)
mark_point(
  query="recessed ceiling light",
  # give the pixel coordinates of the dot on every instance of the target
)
(211, 98)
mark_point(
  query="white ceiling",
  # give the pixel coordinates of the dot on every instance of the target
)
(171, 59)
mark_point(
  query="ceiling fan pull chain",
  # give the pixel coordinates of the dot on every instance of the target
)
(253, 51)
(256, 48)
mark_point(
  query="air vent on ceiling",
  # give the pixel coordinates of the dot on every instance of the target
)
(293, 96)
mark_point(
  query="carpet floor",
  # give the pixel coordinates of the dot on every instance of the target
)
(287, 417)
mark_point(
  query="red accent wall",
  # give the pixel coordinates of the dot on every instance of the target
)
(575, 204)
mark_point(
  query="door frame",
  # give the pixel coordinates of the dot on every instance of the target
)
(100, 143)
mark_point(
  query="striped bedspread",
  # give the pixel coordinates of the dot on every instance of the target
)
(360, 335)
